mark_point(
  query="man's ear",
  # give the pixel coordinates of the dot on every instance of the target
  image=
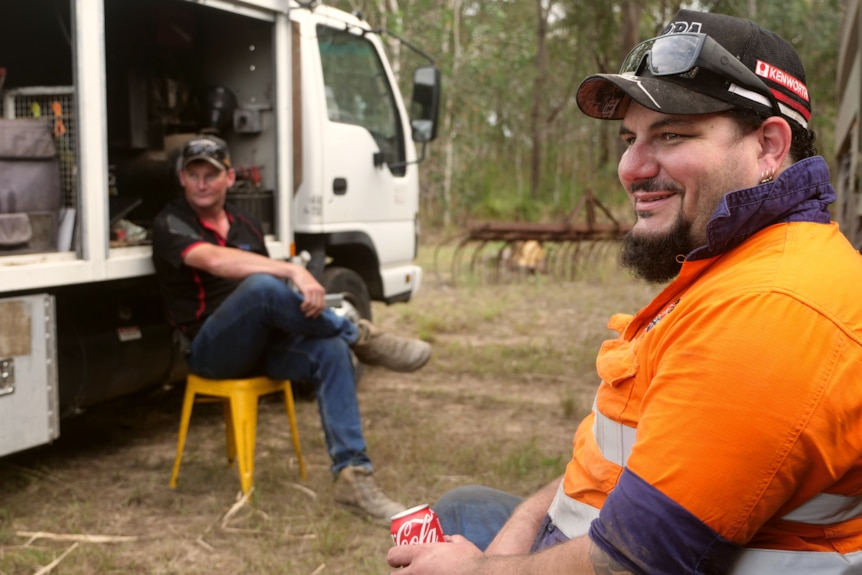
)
(231, 177)
(775, 139)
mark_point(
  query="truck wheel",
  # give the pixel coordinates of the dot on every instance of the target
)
(356, 304)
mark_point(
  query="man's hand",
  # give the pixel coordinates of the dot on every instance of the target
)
(313, 293)
(456, 556)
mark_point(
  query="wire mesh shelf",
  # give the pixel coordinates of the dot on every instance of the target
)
(56, 104)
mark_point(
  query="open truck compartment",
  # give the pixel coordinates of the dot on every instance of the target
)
(97, 98)
(172, 69)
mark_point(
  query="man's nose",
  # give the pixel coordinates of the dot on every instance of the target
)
(637, 163)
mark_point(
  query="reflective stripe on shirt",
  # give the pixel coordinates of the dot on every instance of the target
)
(616, 440)
(766, 561)
(827, 508)
(571, 516)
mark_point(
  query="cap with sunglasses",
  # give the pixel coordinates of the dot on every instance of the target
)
(704, 63)
(207, 148)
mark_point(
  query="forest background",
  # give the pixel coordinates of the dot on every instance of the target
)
(512, 143)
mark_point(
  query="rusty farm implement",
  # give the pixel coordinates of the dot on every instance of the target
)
(497, 250)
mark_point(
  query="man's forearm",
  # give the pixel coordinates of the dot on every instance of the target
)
(579, 556)
(237, 264)
(518, 533)
(232, 263)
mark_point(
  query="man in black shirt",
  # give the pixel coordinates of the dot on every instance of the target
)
(243, 317)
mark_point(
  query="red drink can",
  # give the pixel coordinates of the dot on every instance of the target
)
(416, 525)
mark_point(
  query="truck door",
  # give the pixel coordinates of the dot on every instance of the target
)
(364, 174)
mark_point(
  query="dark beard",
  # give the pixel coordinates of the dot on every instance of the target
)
(654, 258)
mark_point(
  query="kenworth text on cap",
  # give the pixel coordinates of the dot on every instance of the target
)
(208, 148)
(703, 63)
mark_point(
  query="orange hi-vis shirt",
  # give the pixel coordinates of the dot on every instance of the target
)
(727, 429)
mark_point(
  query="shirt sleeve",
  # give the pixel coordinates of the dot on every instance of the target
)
(647, 532)
(172, 238)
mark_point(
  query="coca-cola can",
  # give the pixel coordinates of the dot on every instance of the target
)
(416, 525)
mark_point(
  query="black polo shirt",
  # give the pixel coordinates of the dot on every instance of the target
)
(192, 295)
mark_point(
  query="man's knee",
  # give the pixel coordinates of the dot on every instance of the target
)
(476, 512)
(263, 283)
(334, 351)
(461, 497)
(265, 286)
(476, 500)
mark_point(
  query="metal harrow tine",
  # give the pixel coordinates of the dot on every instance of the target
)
(557, 249)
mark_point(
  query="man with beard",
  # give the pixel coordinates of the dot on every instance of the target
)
(726, 433)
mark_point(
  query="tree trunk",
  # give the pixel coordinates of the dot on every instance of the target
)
(390, 15)
(536, 116)
(453, 40)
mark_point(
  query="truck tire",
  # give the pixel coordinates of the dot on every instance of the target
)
(356, 304)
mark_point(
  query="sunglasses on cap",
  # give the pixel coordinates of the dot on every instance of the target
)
(203, 148)
(679, 53)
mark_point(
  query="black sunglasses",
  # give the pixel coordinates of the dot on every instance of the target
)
(680, 53)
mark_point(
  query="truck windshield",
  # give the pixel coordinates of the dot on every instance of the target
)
(358, 91)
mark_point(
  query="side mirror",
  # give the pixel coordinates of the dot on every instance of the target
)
(425, 104)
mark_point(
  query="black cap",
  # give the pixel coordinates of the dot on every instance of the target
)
(765, 53)
(207, 148)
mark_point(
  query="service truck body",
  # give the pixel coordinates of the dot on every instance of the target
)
(320, 137)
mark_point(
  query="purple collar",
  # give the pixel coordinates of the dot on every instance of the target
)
(802, 193)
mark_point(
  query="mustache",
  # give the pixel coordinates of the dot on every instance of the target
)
(656, 185)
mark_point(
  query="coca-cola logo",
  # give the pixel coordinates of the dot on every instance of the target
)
(415, 531)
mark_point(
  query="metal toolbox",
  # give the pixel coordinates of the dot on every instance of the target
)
(28, 372)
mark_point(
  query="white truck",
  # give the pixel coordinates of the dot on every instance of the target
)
(98, 97)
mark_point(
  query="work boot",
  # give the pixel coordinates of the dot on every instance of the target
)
(356, 489)
(397, 353)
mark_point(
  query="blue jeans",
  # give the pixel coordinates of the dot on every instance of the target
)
(478, 513)
(260, 330)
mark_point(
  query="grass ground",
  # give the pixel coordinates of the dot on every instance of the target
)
(511, 375)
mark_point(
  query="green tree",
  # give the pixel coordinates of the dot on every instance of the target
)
(513, 144)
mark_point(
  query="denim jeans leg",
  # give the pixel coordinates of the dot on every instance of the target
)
(233, 341)
(326, 363)
(476, 512)
(260, 330)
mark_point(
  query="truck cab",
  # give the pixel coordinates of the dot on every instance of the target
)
(99, 96)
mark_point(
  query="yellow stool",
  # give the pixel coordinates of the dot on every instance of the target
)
(240, 397)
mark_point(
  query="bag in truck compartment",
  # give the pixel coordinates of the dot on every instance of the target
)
(29, 167)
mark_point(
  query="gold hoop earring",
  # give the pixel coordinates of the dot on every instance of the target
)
(767, 176)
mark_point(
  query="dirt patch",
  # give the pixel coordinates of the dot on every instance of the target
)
(497, 405)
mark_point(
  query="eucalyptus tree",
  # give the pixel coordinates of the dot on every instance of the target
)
(512, 142)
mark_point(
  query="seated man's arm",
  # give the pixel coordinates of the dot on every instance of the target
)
(458, 556)
(520, 530)
(508, 553)
(233, 263)
(579, 556)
